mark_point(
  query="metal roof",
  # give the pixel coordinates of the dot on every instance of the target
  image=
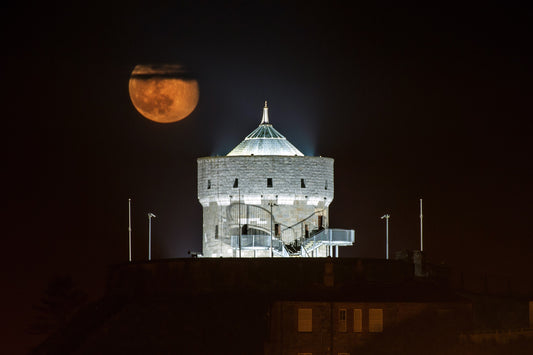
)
(265, 140)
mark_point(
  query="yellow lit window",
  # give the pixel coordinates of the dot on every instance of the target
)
(375, 320)
(342, 320)
(305, 319)
(357, 320)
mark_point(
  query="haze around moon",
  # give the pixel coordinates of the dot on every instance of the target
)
(163, 93)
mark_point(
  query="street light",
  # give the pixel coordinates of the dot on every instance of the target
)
(386, 217)
(421, 228)
(129, 228)
(150, 216)
(271, 204)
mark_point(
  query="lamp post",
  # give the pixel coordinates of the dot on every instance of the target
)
(386, 217)
(129, 228)
(271, 228)
(421, 228)
(240, 231)
(150, 216)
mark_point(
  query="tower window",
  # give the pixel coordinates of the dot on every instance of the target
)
(208, 184)
(302, 183)
(269, 182)
(236, 183)
(326, 185)
(216, 231)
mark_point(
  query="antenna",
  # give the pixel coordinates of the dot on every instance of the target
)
(150, 216)
(421, 228)
(129, 227)
(240, 231)
(386, 217)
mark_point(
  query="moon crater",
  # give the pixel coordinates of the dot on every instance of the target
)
(164, 93)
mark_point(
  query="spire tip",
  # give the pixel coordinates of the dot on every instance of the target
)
(264, 120)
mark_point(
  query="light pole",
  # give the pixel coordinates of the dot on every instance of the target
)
(240, 231)
(271, 228)
(129, 228)
(421, 228)
(150, 216)
(386, 217)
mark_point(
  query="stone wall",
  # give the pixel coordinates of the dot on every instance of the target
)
(304, 276)
(328, 336)
(216, 179)
(283, 195)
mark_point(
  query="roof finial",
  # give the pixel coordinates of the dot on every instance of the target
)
(265, 114)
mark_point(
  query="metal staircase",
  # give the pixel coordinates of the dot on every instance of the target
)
(255, 236)
(299, 248)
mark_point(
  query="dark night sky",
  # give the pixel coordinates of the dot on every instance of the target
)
(430, 101)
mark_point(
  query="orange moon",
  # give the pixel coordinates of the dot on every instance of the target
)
(163, 93)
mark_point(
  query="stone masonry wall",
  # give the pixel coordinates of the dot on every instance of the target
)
(296, 207)
(216, 178)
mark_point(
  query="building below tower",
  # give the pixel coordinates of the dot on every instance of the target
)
(266, 199)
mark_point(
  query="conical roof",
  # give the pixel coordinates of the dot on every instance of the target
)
(265, 140)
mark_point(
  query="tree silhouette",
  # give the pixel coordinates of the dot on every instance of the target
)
(60, 301)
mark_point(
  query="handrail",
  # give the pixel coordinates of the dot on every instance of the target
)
(328, 236)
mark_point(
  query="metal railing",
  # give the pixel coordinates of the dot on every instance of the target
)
(251, 241)
(330, 237)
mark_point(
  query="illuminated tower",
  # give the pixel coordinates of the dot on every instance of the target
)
(265, 198)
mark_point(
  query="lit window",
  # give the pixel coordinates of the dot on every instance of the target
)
(305, 353)
(302, 183)
(208, 184)
(342, 320)
(305, 319)
(344, 353)
(357, 320)
(375, 320)
(236, 183)
(269, 182)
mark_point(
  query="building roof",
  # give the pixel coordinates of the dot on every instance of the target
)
(265, 140)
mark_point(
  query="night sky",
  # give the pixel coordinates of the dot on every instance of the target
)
(425, 101)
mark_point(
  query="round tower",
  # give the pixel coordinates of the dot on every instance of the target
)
(264, 198)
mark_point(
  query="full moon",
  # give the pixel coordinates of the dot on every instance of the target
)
(163, 93)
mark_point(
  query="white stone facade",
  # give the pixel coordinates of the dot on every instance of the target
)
(238, 193)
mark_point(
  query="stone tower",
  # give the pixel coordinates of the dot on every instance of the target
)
(265, 198)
